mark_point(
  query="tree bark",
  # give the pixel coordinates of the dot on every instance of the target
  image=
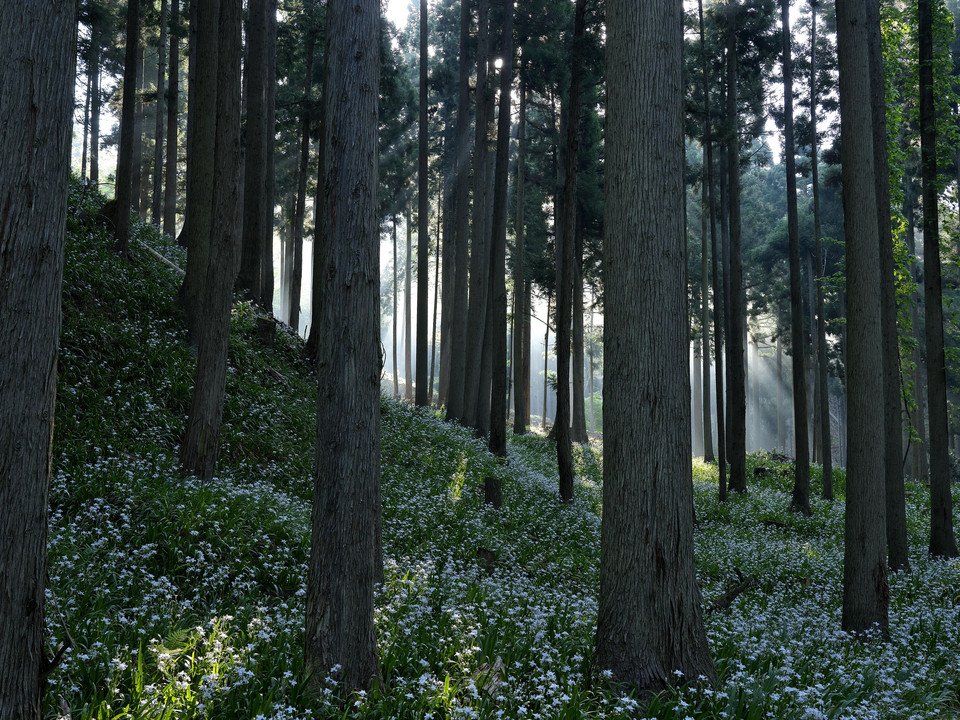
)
(344, 560)
(423, 219)
(125, 162)
(865, 591)
(95, 102)
(396, 283)
(649, 617)
(38, 44)
(408, 315)
(198, 452)
(578, 424)
(942, 541)
(459, 262)
(498, 244)
(800, 500)
(173, 101)
(296, 274)
(156, 208)
(521, 298)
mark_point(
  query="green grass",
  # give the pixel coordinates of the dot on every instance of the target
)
(186, 598)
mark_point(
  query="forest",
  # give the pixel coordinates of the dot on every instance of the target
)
(479, 359)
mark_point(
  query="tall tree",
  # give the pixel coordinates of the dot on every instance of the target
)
(736, 337)
(126, 190)
(37, 42)
(942, 540)
(156, 207)
(521, 292)
(219, 25)
(801, 477)
(821, 361)
(343, 557)
(865, 590)
(269, 174)
(173, 113)
(565, 256)
(408, 313)
(423, 219)
(498, 244)
(649, 617)
(457, 341)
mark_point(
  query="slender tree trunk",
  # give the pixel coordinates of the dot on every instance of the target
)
(344, 555)
(173, 101)
(94, 68)
(896, 514)
(942, 541)
(436, 297)
(546, 362)
(408, 315)
(737, 396)
(816, 451)
(824, 406)
(697, 381)
(780, 428)
(447, 270)
(707, 417)
(219, 30)
(865, 591)
(800, 500)
(459, 261)
(578, 425)
(38, 47)
(320, 240)
(138, 164)
(86, 130)
(647, 535)
(480, 242)
(919, 453)
(128, 138)
(498, 243)
(396, 374)
(296, 275)
(156, 208)
(423, 219)
(269, 176)
(521, 306)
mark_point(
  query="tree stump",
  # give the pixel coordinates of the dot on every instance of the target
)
(266, 331)
(491, 492)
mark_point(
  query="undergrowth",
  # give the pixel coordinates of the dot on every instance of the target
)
(186, 599)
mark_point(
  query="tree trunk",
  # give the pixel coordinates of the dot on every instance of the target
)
(578, 424)
(697, 380)
(94, 68)
(942, 541)
(38, 44)
(706, 419)
(800, 501)
(546, 362)
(824, 408)
(423, 219)
(498, 243)
(173, 101)
(220, 31)
(447, 269)
(86, 131)
(896, 514)
(344, 555)
(436, 295)
(269, 176)
(649, 617)
(128, 139)
(737, 396)
(480, 242)
(408, 315)
(139, 167)
(461, 205)
(918, 453)
(396, 374)
(296, 274)
(865, 591)
(521, 304)
(156, 208)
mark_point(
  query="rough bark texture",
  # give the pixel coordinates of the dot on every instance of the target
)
(198, 453)
(156, 207)
(423, 218)
(201, 151)
(255, 152)
(498, 247)
(521, 304)
(800, 500)
(461, 204)
(865, 591)
(344, 557)
(822, 381)
(897, 549)
(649, 618)
(173, 112)
(477, 339)
(126, 177)
(942, 540)
(736, 360)
(37, 43)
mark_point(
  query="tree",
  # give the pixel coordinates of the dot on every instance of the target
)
(942, 540)
(220, 28)
(156, 207)
(649, 618)
(126, 175)
(346, 498)
(173, 112)
(423, 218)
(37, 42)
(865, 590)
(801, 478)
(498, 243)
(521, 286)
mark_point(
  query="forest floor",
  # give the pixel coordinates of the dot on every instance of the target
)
(186, 599)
